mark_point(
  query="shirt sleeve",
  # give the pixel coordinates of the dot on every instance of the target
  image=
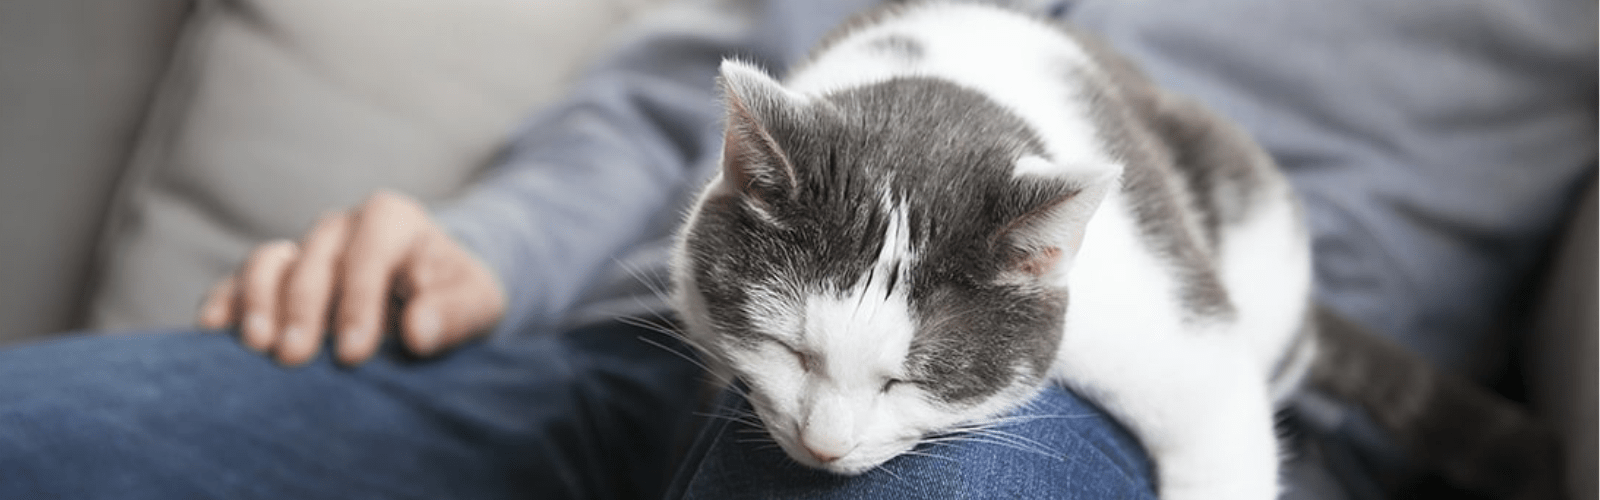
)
(588, 176)
(1435, 147)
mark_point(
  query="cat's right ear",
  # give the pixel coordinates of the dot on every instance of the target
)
(1050, 234)
(753, 163)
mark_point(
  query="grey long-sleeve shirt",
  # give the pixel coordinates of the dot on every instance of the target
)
(590, 191)
(1436, 145)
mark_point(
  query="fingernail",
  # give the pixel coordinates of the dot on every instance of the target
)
(255, 330)
(209, 317)
(427, 332)
(348, 350)
(292, 334)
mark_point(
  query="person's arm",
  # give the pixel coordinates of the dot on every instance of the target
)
(584, 177)
(580, 182)
(590, 176)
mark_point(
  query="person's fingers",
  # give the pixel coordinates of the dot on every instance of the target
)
(382, 232)
(260, 279)
(221, 305)
(309, 289)
(453, 296)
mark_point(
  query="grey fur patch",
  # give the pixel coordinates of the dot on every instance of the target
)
(945, 154)
(1188, 172)
(1306, 334)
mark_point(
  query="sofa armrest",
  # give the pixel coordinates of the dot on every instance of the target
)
(1561, 348)
(75, 79)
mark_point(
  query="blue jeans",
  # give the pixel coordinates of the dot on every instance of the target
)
(1058, 447)
(593, 413)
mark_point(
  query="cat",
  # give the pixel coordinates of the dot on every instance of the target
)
(949, 205)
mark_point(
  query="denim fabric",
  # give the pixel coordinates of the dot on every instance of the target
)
(602, 412)
(1058, 447)
(594, 413)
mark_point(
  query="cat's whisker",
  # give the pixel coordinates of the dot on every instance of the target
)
(685, 357)
(931, 455)
(886, 468)
(656, 287)
(990, 440)
(1019, 446)
(993, 436)
(747, 421)
(1018, 438)
(665, 326)
(759, 445)
(738, 419)
(1015, 420)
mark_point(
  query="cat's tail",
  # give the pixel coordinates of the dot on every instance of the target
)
(1473, 438)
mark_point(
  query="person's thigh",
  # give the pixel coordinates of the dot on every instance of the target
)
(1058, 447)
(587, 414)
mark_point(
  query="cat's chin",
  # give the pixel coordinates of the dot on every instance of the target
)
(851, 470)
(849, 465)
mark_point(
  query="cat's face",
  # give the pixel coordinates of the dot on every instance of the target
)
(845, 379)
(873, 268)
(849, 364)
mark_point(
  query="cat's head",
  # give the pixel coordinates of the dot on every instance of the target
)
(879, 264)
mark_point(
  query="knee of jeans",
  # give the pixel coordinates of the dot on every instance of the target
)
(1057, 446)
(40, 437)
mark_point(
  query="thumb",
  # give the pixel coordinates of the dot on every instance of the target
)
(452, 299)
(435, 322)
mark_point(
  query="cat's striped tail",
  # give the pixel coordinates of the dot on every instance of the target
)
(1471, 437)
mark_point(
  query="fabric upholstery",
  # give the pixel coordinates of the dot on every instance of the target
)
(75, 78)
(278, 111)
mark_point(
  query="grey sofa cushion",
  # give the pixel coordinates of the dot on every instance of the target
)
(279, 110)
(75, 78)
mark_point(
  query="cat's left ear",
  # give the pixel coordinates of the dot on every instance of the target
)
(754, 163)
(1049, 235)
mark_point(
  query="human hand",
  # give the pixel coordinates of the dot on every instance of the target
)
(346, 270)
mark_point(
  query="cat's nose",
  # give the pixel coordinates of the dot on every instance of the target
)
(825, 449)
(822, 455)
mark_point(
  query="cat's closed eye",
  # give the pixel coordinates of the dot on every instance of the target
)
(800, 357)
(891, 383)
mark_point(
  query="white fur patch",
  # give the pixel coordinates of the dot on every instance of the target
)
(865, 332)
(1024, 64)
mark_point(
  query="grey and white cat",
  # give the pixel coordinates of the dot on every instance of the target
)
(949, 206)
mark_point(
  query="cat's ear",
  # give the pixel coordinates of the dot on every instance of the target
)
(1048, 236)
(753, 163)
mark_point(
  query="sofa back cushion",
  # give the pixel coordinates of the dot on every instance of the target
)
(75, 79)
(277, 111)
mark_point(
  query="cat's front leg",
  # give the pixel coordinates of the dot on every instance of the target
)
(1204, 417)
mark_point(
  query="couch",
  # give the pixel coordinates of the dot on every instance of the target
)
(146, 145)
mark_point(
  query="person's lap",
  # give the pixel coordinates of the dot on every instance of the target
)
(594, 413)
(1059, 446)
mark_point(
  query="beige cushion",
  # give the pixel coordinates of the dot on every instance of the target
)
(75, 80)
(279, 110)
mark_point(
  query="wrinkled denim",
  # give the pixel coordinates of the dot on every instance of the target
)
(1057, 447)
(601, 412)
(593, 413)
